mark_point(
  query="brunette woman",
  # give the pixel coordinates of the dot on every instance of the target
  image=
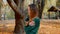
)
(32, 21)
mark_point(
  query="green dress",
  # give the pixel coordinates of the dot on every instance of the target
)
(32, 29)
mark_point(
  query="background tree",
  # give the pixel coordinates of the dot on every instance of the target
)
(0, 8)
(41, 4)
(17, 6)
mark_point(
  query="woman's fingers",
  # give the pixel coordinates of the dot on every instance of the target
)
(32, 23)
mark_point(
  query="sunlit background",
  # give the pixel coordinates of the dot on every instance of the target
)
(48, 25)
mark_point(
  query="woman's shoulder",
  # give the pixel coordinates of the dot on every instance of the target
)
(37, 21)
(37, 18)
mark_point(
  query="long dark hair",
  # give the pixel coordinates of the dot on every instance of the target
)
(33, 9)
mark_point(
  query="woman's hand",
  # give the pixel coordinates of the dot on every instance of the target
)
(32, 23)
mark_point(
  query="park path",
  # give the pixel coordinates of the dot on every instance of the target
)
(46, 27)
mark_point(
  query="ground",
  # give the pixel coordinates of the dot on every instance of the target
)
(46, 26)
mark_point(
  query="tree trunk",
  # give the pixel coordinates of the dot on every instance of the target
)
(0, 8)
(33, 1)
(0, 11)
(19, 23)
(40, 7)
(19, 27)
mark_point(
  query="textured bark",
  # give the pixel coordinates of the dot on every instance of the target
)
(19, 25)
(14, 6)
(41, 4)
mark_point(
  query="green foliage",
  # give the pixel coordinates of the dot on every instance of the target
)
(10, 15)
(58, 3)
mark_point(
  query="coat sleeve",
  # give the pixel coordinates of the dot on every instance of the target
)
(37, 22)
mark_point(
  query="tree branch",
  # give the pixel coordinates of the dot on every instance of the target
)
(17, 2)
(14, 7)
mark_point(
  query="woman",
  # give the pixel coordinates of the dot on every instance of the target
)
(32, 21)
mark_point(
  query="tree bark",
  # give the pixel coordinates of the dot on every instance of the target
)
(0, 8)
(19, 23)
(0, 11)
(41, 4)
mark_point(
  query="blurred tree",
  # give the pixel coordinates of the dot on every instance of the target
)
(41, 4)
(33, 1)
(0, 8)
(58, 4)
(17, 6)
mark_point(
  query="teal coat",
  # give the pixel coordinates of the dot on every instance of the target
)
(33, 29)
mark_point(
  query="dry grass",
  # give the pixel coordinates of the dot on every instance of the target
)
(49, 27)
(46, 27)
